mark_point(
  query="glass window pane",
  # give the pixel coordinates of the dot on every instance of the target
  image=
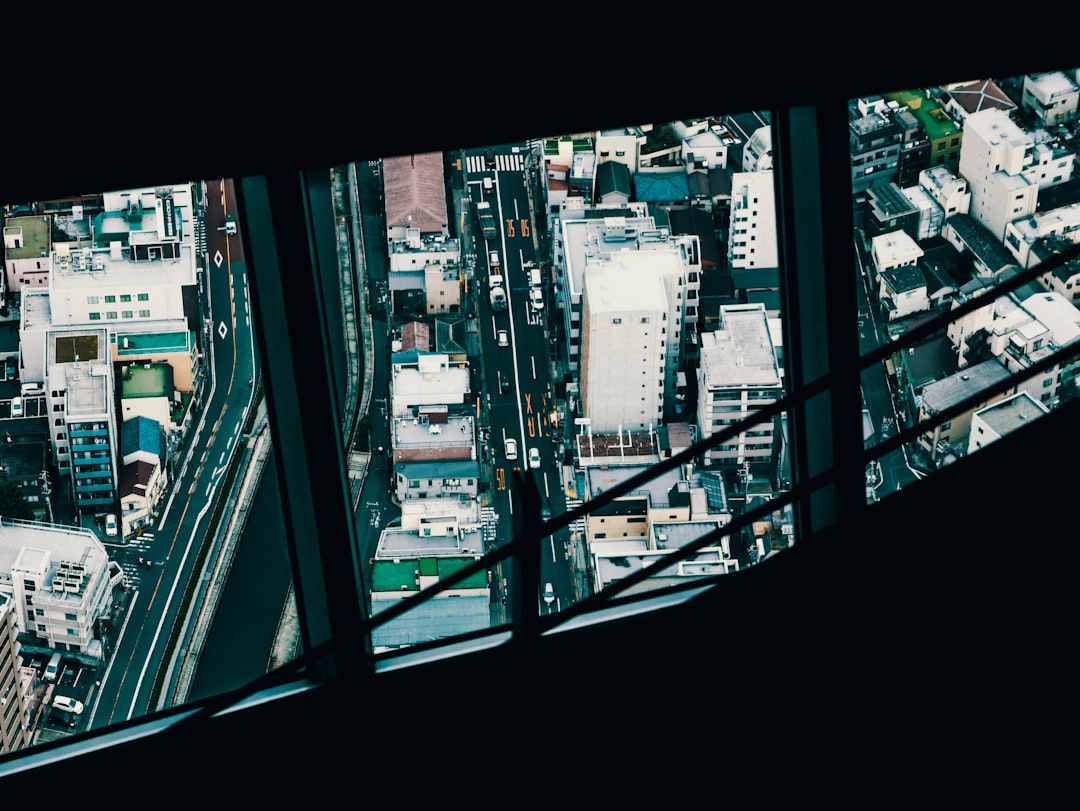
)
(126, 529)
(966, 211)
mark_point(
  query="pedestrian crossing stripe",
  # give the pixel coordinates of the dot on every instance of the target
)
(474, 164)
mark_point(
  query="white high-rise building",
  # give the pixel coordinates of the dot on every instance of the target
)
(624, 344)
(994, 157)
(753, 221)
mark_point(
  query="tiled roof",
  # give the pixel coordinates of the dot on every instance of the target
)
(982, 95)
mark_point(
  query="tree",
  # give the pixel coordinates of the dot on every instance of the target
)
(13, 503)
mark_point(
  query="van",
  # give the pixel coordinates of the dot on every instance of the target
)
(534, 277)
(488, 185)
(495, 280)
(52, 669)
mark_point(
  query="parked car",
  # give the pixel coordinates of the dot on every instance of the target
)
(536, 298)
(110, 525)
(67, 704)
(64, 718)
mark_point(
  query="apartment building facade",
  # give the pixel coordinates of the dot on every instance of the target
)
(59, 580)
(739, 374)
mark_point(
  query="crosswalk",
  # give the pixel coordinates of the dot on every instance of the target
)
(489, 522)
(512, 162)
(578, 524)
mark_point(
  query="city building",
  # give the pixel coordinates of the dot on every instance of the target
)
(27, 246)
(1038, 327)
(625, 343)
(408, 560)
(739, 374)
(915, 147)
(902, 292)
(949, 190)
(59, 580)
(587, 237)
(949, 439)
(893, 250)
(874, 143)
(1002, 418)
(143, 474)
(753, 221)
(420, 378)
(966, 98)
(995, 160)
(14, 709)
(1023, 234)
(1051, 98)
(414, 198)
(943, 134)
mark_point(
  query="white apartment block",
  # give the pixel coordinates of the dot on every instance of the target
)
(426, 378)
(948, 190)
(893, 250)
(752, 242)
(705, 150)
(739, 374)
(1050, 97)
(625, 321)
(58, 577)
(1041, 325)
(617, 145)
(757, 153)
(995, 421)
(995, 157)
(1021, 235)
(581, 242)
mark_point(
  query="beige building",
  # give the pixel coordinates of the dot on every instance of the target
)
(14, 731)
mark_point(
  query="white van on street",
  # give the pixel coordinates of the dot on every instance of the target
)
(52, 669)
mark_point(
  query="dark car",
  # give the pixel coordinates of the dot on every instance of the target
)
(64, 718)
(489, 158)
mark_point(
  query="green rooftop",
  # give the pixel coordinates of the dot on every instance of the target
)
(937, 122)
(400, 574)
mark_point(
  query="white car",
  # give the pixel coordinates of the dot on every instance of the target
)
(549, 594)
(510, 449)
(504, 338)
(67, 704)
(536, 298)
(534, 458)
(110, 525)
